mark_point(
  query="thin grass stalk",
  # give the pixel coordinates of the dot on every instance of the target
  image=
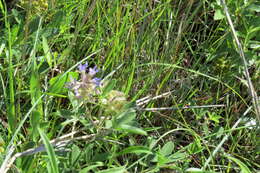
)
(11, 100)
(11, 145)
(225, 138)
(252, 91)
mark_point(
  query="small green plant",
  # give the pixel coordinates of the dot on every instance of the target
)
(91, 90)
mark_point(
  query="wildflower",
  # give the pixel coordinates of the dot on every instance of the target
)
(87, 86)
(71, 85)
(82, 68)
(93, 71)
(96, 81)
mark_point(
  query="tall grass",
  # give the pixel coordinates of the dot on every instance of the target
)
(188, 107)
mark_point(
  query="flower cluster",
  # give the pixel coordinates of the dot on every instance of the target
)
(88, 85)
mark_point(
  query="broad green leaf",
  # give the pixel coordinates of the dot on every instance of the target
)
(125, 117)
(218, 15)
(161, 160)
(197, 170)
(91, 167)
(243, 167)
(254, 7)
(35, 119)
(34, 24)
(114, 170)
(219, 131)
(35, 89)
(57, 83)
(135, 150)
(131, 129)
(100, 157)
(214, 117)
(2, 48)
(75, 153)
(46, 50)
(178, 156)
(254, 45)
(50, 152)
(14, 32)
(35, 122)
(167, 149)
(110, 86)
(58, 18)
(2, 143)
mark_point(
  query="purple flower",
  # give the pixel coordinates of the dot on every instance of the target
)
(82, 68)
(77, 93)
(93, 71)
(71, 84)
(87, 85)
(96, 81)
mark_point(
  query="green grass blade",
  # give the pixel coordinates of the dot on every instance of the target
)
(50, 152)
(243, 167)
(11, 100)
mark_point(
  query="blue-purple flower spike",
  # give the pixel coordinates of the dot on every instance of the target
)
(83, 67)
(93, 71)
(96, 81)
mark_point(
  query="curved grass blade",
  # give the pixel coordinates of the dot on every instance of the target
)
(50, 152)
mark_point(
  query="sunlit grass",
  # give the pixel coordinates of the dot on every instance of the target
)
(175, 55)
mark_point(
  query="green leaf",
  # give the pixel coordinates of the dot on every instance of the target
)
(114, 170)
(194, 170)
(254, 7)
(100, 157)
(197, 170)
(135, 150)
(57, 83)
(161, 160)
(243, 167)
(35, 89)
(35, 119)
(75, 154)
(91, 167)
(110, 86)
(218, 15)
(178, 156)
(34, 24)
(167, 149)
(2, 142)
(35, 122)
(46, 50)
(57, 18)
(219, 131)
(214, 117)
(50, 152)
(125, 117)
(131, 129)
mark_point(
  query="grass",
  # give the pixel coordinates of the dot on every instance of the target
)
(173, 95)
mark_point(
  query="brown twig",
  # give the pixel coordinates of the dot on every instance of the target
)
(184, 107)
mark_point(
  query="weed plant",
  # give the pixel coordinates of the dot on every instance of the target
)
(128, 86)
